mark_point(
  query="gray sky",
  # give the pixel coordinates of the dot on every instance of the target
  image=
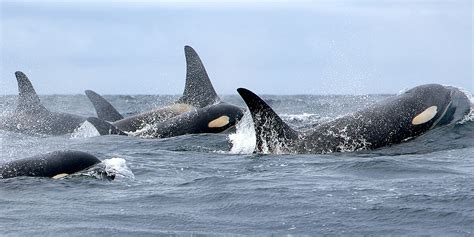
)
(271, 47)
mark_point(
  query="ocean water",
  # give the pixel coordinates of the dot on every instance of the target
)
(212, 184)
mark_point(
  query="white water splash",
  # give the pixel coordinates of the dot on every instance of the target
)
(302, 117)
(470, 116)
(144, 132)
(243, 140)
(351, 144)
(118, 167)
(85, 130)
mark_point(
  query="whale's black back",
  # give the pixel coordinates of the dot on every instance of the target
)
(394, 120)
(32, 117)
(385, 123)
(49, 165)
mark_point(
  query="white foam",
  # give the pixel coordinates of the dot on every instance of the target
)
(469, 117)
(118, 167)
(145, 132)
(347, 143)
(302, 117)
(243, 140)
(85, 130)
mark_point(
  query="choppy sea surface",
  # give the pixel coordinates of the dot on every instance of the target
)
(212, 184)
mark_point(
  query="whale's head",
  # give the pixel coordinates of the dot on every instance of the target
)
(220, 117)
(435, 105)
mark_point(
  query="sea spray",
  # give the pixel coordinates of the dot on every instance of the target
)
(85, 130)
(118, 168)
(243, 140)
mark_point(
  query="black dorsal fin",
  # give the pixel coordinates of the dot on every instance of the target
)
(103, 127)
(272, 134)
(198, 90)
(103, 108)
(28, 100)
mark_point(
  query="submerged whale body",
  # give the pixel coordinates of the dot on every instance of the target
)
(54, 165)
(31, 117)
(198, 93)
(198, 110)
(210, 119)
(391, 121)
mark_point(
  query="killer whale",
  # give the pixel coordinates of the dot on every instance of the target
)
(198, 93)
(56, 164)
(394, 120)
(103, 108)
(198, 110)
(31, 117)
(210, 119)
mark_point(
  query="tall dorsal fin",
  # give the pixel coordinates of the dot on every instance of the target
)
(28, 100)
(103, 108)
(198, 90)
(272, 134)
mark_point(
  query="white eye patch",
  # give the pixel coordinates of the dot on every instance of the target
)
(219, 122)
(425, 116)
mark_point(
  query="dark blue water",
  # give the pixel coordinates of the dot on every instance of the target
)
(213, 184)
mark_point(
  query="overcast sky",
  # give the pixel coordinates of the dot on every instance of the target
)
(271, 47)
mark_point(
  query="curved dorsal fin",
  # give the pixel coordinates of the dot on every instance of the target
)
(272, 134)
(103, 108)
(28, 100)
(198, 90)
